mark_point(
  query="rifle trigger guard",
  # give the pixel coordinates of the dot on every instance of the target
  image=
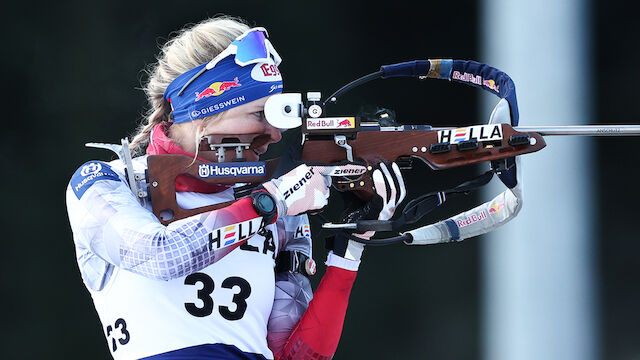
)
(341, 141)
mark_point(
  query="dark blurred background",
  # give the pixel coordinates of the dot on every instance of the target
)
(72, 75)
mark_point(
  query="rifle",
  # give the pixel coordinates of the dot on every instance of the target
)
(340, 139)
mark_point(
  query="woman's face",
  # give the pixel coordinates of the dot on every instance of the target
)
(240, 120)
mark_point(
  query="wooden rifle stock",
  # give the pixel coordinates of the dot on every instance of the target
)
(391, 145)
(162, 174)
(369, 147)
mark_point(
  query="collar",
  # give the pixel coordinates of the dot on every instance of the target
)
(161, 144)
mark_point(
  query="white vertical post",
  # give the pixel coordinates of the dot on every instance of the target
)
(539, 270)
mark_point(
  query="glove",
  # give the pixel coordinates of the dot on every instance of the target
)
(390, 187)
(390, 191)
(306, 188)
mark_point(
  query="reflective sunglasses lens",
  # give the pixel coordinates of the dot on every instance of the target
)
(252, 47)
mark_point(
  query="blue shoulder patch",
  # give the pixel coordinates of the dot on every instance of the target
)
(88, 174)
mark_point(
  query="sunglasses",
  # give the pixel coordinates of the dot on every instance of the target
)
(251, 47)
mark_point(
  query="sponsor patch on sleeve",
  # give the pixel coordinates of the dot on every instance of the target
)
(303, 231)
(88, 174)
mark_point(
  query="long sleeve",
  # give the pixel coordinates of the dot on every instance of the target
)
(293, 289)
(109, 225)
(292, 297)
(306, 325)
(317, 334)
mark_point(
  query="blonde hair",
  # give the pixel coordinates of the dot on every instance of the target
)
(192, 46)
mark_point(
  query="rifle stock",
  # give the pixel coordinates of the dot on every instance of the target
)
(369, 146)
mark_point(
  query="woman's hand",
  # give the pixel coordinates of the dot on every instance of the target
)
(390, 191)
(306, 188)
(390, 188)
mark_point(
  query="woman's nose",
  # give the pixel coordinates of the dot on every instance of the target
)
(273, 132)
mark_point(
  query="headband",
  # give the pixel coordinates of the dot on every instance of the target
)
(221, 88)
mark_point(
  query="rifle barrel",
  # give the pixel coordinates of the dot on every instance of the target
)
(586, 130)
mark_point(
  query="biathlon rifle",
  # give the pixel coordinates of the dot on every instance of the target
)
(343, 139)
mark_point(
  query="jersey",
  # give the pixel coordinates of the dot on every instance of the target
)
(152, 301)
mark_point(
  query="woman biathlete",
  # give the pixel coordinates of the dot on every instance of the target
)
(180, 291)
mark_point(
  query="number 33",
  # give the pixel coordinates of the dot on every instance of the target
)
(204, 294)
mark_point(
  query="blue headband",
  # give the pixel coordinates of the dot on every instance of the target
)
(225, 86)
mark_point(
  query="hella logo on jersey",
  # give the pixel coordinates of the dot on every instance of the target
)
(217, 88)
(88, 174)
(231, 234)
(331, 123)
(479, 132)
(232, 169)
(266, 72)
(303, 231)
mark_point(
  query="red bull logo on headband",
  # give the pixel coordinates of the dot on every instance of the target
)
(217, 88)
(225, 86)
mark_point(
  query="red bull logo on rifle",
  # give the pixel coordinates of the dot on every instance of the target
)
(331, 123)
(346, 123)
(217, 88)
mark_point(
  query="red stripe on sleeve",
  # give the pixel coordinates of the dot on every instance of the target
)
(317, 334)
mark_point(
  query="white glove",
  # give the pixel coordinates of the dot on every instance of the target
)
(349, 252)
(306, 188)
(390, 199)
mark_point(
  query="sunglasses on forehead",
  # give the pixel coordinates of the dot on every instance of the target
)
(251, 47)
